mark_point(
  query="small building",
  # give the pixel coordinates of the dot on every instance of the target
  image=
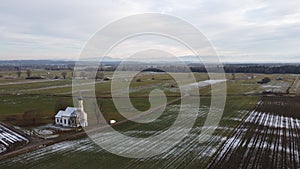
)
(112, 121)
(72, 116)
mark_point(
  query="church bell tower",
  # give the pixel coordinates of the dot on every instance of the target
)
(80, 104)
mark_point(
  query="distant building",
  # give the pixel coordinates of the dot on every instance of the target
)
(72, 116)
(112, 121)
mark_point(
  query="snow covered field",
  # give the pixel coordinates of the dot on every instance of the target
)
(10, 139)
(267, 138)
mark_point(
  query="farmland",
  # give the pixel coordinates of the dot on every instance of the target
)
(267, 138)
(47, 96)
(10, 139)
(41, 99)
(188, 152)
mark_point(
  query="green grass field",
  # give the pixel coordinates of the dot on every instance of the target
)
(46, 96)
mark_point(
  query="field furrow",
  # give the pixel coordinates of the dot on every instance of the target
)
(270, 141)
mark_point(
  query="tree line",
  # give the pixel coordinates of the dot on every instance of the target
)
(264, 69)
(234, 68)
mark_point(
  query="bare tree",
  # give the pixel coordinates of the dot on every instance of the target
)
(19, 73)
(32, 117)
(61, 104)
(64, 74)
(99, 75)
(233, 76)
(29, 72)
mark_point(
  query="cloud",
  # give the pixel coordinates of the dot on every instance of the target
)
(266, 30)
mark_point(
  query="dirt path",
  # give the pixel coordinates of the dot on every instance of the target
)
(27, 82)
(40, 143)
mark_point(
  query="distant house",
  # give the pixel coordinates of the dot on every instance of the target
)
(72, 116)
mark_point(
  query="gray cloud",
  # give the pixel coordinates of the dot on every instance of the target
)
(265, 30)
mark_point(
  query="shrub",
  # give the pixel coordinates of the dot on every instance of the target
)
(264, 80)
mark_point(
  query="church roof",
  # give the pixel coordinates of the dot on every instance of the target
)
(68, 112)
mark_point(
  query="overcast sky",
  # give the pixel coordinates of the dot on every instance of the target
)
(241, 31)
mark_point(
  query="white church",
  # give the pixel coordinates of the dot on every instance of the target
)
(72, 116)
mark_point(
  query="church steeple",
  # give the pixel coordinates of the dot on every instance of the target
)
(80, 104)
